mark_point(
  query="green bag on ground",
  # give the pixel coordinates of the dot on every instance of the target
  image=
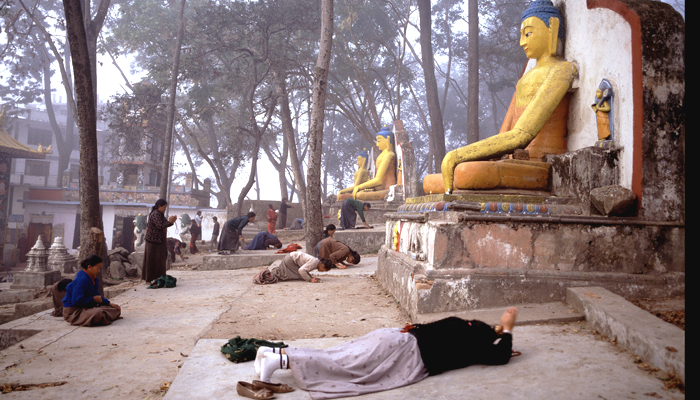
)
(165, 281)
(239, 349)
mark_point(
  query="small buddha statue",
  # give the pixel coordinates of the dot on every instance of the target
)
(602, 108)
(361, 175)
(536, 118)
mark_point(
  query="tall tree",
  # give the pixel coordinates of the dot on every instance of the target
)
(87, 123)
(314, 212)
(473, 73)
(170, 118)
(431, 89)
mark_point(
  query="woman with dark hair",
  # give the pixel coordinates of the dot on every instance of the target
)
(83, 304)
(271, 219)
(389, 358)
(156, 253)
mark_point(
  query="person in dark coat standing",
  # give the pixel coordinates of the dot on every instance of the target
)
(195, 230)
(233, 232)
(214, 243)
(282, 214)
(156, 253)
(23, 247)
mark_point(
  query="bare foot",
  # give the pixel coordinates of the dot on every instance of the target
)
(508, 318)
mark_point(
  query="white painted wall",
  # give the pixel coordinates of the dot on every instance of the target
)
(599, 41)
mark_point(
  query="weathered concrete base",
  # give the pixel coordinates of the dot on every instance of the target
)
(363, 241)
(654, 340)
(420, 290)
(238, 261)
(32, 280)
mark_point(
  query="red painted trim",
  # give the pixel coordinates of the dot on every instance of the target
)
(637, 87)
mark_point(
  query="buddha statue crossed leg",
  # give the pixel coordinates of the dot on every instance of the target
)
(536, 118)
(385, 176)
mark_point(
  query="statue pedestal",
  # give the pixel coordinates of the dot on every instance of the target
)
(451, 261)
(35, 279)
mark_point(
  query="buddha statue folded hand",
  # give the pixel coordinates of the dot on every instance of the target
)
(536, 118)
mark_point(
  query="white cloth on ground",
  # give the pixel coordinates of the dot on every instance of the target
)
(383, 359)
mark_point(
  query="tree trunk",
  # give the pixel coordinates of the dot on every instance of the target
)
(431, 89)
(170, 118)
(473, 73)
(87, 124)
(314, 211)
(288, 130)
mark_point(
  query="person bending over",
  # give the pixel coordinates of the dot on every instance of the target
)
(337, 253)
(83, 304)
(232, 233)
(389, 358)
(348, 210)
(294, 266)
(264, 241)
(175, 248)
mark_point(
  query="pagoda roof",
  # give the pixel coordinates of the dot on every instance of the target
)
(9, 146)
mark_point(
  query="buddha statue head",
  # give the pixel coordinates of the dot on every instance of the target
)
(362, 158)
(384, 139)
(541, 29)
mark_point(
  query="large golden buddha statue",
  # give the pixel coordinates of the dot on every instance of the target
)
(377, 187)
(536, 118)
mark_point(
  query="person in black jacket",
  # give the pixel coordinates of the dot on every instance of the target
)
(388, 358)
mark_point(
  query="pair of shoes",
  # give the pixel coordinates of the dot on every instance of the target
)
(249, 390)
(273, 387)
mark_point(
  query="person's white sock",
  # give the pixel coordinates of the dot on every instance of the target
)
(272, 362)
(260, 354)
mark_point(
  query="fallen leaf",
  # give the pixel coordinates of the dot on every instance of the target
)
(672, 349)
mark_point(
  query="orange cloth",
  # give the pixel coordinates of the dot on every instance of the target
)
(290, 248)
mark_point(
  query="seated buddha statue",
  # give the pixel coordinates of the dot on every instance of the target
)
(377, 187)
(361, 175)
(536, 119)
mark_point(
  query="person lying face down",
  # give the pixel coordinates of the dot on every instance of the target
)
(389, 358)
(83, 304)
(294, 266)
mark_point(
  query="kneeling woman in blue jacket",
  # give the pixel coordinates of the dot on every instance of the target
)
(83, 304)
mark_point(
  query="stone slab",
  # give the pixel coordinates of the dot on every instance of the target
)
(245, 259)
(34, 280)
(656, 341)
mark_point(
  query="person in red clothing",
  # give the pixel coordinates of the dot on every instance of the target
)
(271, 219)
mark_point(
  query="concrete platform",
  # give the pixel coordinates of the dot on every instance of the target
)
(659, 343)
(556, 362)
(245, 259)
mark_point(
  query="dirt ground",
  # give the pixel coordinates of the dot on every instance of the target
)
(330, 313)
(670, 309)
(334, 312)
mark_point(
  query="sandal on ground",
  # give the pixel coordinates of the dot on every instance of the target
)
(273, 387)
(249, 390)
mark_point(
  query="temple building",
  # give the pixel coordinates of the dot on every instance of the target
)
(40, 202)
